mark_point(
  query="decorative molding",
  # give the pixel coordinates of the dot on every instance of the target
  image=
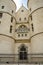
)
(22, 22)
(7, 36)
(22, 29)
(34, 11)
(36, 34)
(8, 13)
(23, 41)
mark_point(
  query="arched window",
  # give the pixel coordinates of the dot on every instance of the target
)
(22, 29)
(23, 53)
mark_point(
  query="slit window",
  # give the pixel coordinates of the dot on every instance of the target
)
(19, 19)
(1, 15)
(32, 27)
(0, 22)
(30, 9)
(11, 19)
(12, 11)
(11, 29)
(18, 35)
(31, 17)
(25, 18)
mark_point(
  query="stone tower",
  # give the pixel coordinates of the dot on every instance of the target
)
(36, 25)
(7, 26)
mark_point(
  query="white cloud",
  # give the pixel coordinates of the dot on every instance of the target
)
(18, 3)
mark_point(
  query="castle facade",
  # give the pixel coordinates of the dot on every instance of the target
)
(21, 32)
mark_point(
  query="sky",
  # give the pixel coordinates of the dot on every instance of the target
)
(20, 3)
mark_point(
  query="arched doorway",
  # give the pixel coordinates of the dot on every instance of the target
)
(23, 53)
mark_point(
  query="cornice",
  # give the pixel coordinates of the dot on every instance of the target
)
(7, 36)
(36, 34)
(8, 13)
(35, 10)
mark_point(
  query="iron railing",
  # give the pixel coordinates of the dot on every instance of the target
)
(14, 58)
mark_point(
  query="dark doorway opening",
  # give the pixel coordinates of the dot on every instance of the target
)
(23, 53)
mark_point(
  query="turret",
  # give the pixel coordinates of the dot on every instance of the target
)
(36, 25)
(7, 25)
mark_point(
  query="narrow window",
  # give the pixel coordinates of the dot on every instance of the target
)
(18, 35)
(1, 15)
(22, 10)
(19, 19)
(31, 17)
(15, 30)
(25, 34)
(0, 22)
(2, 7)
(11, 29)
(11, 19)
(22, 35)
(30, 9)
(12, 11)
(32, 27)
(25, 18)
